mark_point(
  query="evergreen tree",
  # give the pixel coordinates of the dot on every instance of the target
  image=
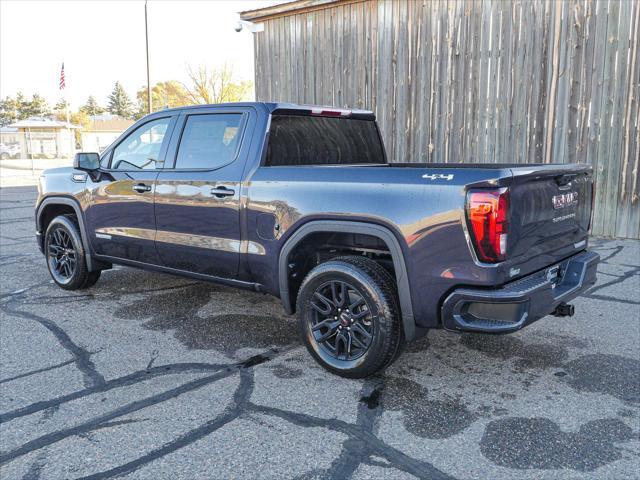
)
(119, 102)
(92, 107)
(62, 105)
(21, 105)
(36, 107)
(60, 110)
(19, 108)
(9, 110)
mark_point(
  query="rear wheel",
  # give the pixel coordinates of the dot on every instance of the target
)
(66, 256)
(349, 317)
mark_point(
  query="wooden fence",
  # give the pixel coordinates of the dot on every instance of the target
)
(476, 81)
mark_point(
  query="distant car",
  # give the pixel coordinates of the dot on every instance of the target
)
(9, 151)
(300, 202)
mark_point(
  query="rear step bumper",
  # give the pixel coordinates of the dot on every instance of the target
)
(522, 302)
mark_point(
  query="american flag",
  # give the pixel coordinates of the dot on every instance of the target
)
(62, 84)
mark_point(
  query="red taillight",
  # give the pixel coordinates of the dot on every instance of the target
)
(488, 217)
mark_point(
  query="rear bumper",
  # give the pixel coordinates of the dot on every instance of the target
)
(522, 302)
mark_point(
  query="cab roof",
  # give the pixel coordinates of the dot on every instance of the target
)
(289, 109)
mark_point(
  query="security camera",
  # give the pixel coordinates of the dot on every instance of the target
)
(252, 27)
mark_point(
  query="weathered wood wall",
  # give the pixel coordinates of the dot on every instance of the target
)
(477, 81)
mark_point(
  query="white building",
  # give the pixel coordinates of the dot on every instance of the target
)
(9, 135)
(102, 131)
(45, 138)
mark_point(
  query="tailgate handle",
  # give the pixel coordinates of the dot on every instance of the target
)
(565, 179)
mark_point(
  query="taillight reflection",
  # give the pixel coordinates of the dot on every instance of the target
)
(593, 206)
(488, 217)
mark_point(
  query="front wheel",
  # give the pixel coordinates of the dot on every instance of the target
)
(349, 317)
(66, 256)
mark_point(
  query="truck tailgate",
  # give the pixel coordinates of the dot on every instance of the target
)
(550, 208)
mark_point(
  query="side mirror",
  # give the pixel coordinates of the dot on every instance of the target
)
(87, 161)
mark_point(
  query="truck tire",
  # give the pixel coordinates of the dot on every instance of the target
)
(66, 256)
(349, 317)
(363, 262)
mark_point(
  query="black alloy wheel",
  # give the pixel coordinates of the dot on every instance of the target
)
(349, 317)
(342, 322)
(65, 253)
(62, 255)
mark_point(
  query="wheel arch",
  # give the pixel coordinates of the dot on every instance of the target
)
(49, 202)
(337, 226)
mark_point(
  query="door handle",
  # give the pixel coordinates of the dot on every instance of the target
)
(141, 188)
(221, 192)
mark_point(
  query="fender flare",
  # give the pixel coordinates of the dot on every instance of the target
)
(383, 233)
(91, 264)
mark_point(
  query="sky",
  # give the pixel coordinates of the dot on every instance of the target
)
(101, 42)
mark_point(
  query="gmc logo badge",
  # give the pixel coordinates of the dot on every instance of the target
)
(565, 200)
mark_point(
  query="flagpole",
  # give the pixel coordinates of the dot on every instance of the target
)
(63, 86)
(146, 38)
(72, 142)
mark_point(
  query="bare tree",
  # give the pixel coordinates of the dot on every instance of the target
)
(217, 85)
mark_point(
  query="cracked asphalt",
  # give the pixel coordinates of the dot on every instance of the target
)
(152, 376)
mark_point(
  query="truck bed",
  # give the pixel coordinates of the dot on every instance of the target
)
(424, 205)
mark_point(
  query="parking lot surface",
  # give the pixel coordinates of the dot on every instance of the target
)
(152, 376)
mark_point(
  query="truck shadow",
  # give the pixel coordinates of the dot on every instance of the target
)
(212, 317)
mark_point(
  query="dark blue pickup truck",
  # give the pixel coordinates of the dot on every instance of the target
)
(301, 203)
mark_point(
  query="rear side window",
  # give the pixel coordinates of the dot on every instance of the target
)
(309, 140)
(209, 141)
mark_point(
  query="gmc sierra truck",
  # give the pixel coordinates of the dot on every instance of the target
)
(300, 202)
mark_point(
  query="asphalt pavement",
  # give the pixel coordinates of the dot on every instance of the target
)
(152, 376)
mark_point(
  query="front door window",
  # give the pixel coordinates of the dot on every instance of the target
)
(141, 149)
